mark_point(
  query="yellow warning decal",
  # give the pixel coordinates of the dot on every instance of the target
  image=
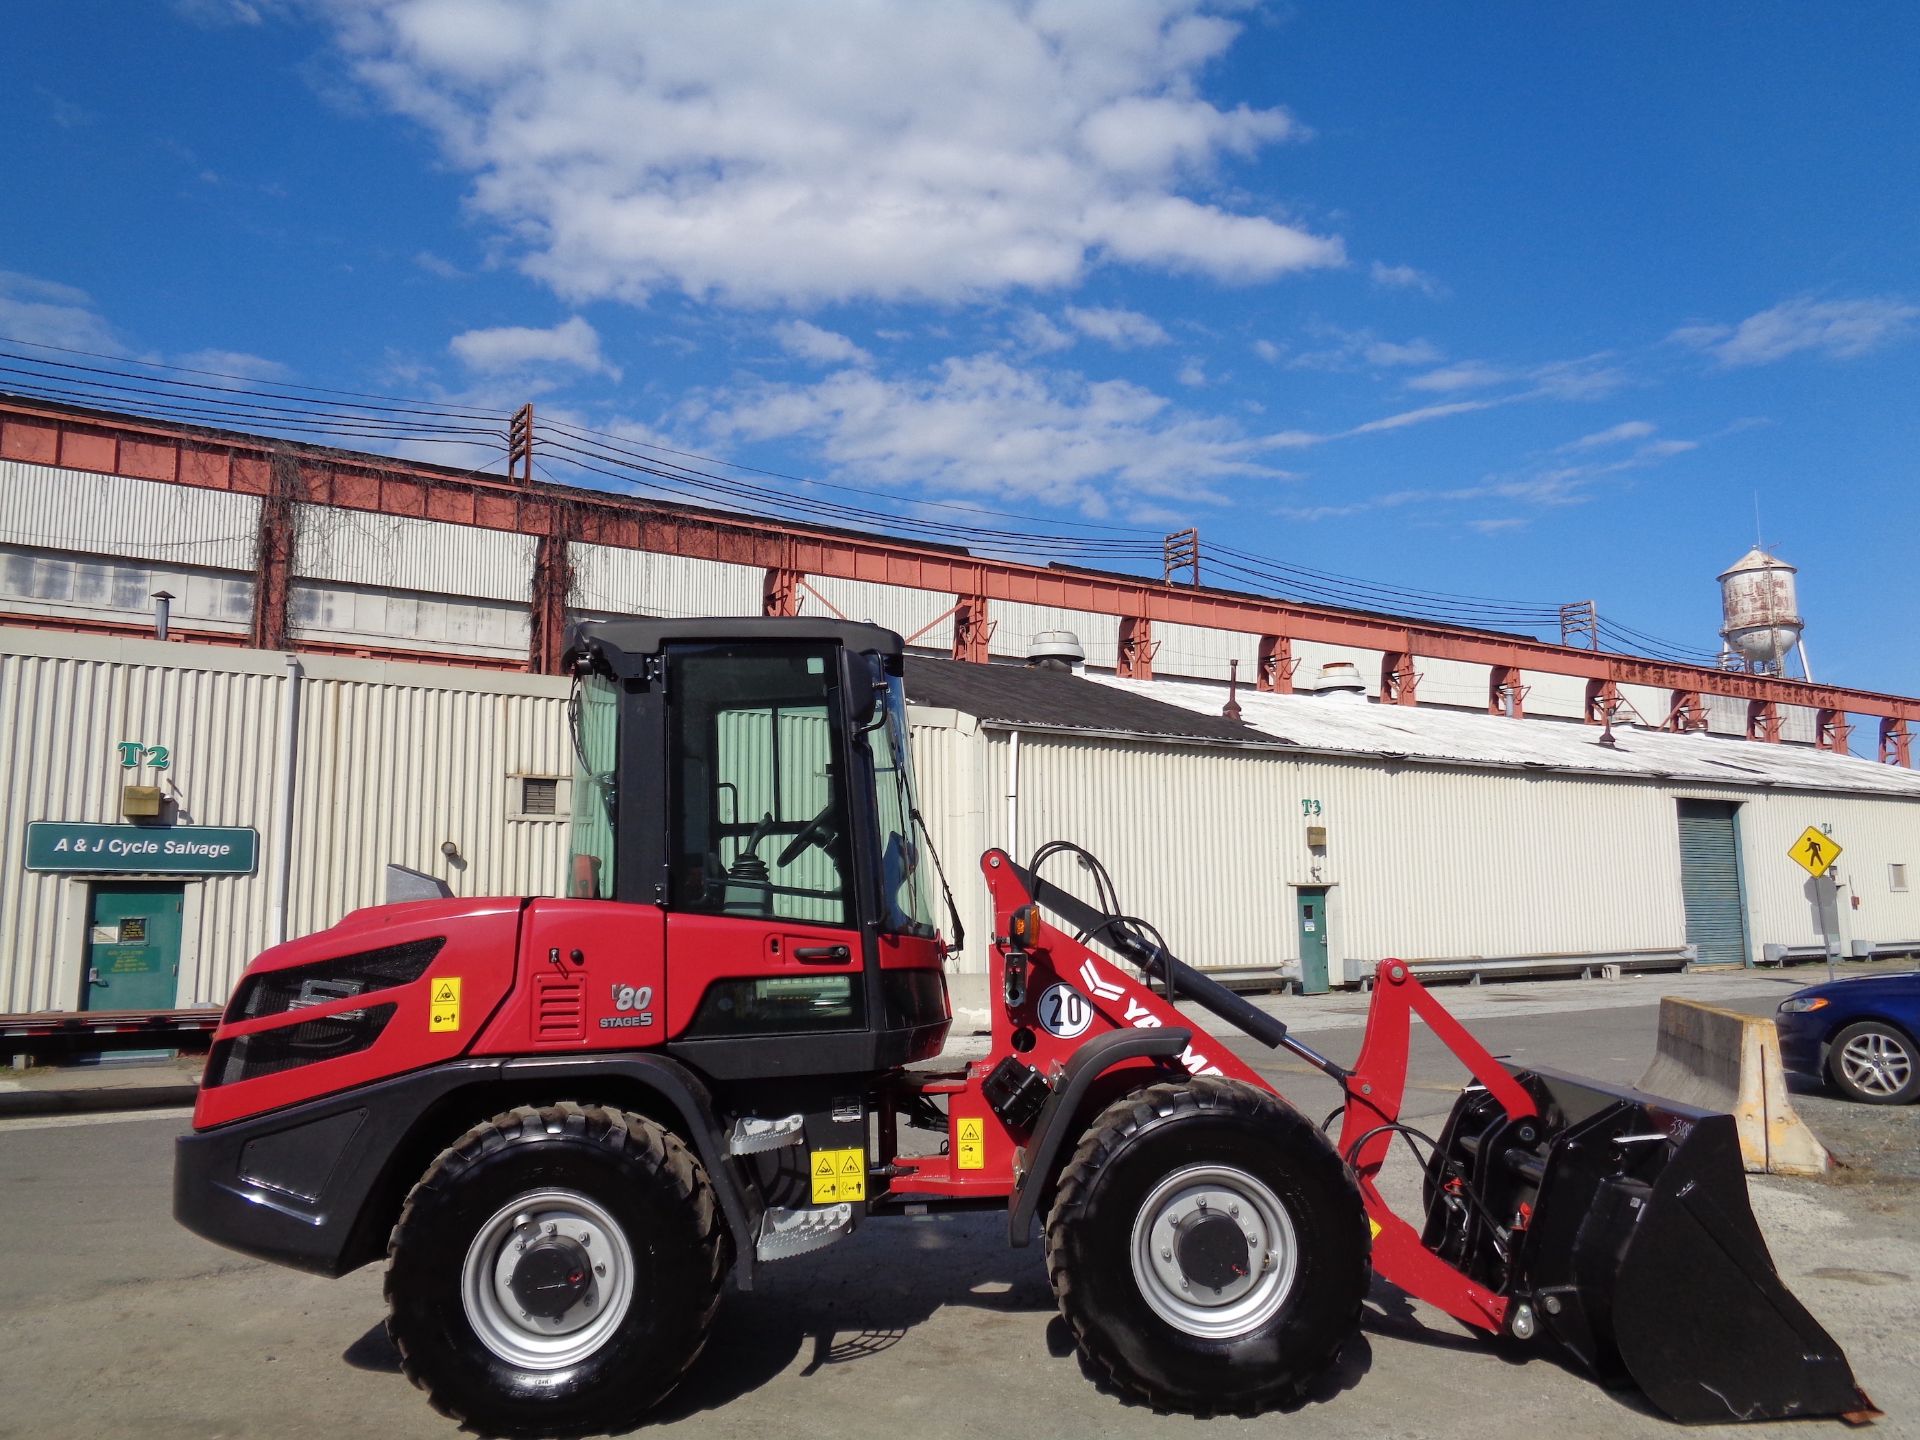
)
(839, 1175)
(970, 1148)
(1374, 1226)
(443, 1011)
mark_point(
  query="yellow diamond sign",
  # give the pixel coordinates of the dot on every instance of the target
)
(1814, 851)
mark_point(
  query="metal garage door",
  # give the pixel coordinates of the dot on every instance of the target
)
(1710, 882)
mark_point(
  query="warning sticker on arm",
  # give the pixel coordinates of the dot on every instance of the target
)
(970, 1147)
(443, 1009)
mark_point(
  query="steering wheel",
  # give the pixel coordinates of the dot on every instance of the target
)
(817, 831)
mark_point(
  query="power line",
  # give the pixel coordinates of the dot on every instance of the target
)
(287, 406)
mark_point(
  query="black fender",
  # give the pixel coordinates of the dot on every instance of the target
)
(317, 1185)
(1055, 1128)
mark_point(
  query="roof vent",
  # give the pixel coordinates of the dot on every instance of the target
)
(1056, 650)
(1339, 678)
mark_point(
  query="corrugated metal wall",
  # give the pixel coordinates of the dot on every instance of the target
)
(57, 509)
(394, 760)
(397, 552)
(612, 581)
(66, 702)
(901, 609)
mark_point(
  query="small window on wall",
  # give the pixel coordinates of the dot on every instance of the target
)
(536, 797)
(1897, 879)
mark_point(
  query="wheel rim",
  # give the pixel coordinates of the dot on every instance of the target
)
(1181, 1246)
(1877, 1064)
(501, 1317)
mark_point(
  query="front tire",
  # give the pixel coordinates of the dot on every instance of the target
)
(1208, 1247)
(556, 1270)
(1875, 1063)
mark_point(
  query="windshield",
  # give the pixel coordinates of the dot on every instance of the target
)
(593, 718)
(903, 883)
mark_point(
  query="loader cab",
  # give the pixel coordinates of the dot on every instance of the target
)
(751, 779)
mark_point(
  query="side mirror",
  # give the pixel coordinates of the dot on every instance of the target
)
(869, 684)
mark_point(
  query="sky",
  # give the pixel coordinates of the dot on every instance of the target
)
(1544, 304)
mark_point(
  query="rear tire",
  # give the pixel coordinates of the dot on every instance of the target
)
(1208, 1248)
(1875, 1063)
(555, 1271)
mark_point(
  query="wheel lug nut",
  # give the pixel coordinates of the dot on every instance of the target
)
(552, 1229)
(1234, 1210)
(586, 1240)
(1203, 1202)
(600, 1270)
(1166, 1252)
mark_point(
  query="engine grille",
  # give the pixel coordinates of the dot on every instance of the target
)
(336, 979)
(328, 1037)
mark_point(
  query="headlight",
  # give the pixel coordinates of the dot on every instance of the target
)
(1798, 1006)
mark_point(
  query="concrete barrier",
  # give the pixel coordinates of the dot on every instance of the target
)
(1723, 1060)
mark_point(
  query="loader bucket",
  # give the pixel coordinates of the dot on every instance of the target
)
(1617, 1225)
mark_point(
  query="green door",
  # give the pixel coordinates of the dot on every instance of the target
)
(1312, 905)
(133, 946)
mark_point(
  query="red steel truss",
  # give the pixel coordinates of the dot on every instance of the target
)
(77, 439)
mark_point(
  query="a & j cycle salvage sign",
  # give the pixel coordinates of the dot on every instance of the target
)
(141, 849)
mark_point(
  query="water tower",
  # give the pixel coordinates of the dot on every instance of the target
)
(1760, 614)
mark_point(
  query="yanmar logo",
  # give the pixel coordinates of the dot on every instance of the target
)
(1140, 1016)
(630, 998)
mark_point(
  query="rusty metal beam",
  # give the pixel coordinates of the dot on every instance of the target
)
(50, 434)
(1136, 649)
(1275, 673)
(552, 584)
(1399, 681)
(1763, 721)
(1896, 743)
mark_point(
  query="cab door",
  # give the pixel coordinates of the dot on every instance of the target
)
(763, 919)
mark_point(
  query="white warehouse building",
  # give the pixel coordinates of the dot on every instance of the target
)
(1306, 840)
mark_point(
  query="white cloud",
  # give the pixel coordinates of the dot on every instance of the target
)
(1466, 375)
(1613, 435)
(809, 342)
(1838, 329)
(983, 426)
(1268, 351)
(1192, 373)
(438, 267)
(1412, 352)
(235, 363)
(1349, 349)
(865, 148)
(1403, 277)
(1422, 415)
(1122, 329)
(573, 343)
(45, 312)
(1036, 332)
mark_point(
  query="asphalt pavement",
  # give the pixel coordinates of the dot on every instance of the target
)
(113, 1320)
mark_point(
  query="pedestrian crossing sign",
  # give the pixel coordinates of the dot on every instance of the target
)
(1814, 851)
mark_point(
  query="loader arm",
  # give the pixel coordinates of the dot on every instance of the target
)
(1608, 1221)
(1373, 1087)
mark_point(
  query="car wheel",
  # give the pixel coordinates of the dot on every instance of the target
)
(1874, 1062)
(555, 1271)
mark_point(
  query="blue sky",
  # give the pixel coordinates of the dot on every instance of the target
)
(1516, 301)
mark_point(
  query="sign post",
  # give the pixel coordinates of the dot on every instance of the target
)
(1814, 852)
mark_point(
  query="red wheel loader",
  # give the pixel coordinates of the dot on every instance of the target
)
(566, 1123)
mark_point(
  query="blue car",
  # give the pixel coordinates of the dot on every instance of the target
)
(1859, 1034)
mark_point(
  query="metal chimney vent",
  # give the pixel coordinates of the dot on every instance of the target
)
(1056, 650)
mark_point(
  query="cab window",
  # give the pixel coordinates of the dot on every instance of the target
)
(759, 823)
